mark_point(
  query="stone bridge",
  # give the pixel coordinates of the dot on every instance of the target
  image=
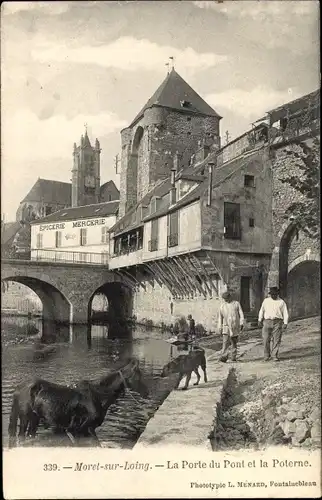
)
(67, 290)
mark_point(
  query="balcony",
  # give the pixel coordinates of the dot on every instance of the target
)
(173, 240)
(292, 125)
(62, 256)
(153, 245)
(132, 258)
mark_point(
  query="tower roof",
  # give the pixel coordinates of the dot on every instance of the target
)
(87, 142)
(174, 92)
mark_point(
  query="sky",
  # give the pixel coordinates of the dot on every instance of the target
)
(67, 64)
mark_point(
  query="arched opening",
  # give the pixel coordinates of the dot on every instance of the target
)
(132, 180)
(284, 247)
(118, 301)
(303, 290)
(56, 309)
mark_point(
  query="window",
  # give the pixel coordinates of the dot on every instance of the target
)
(83, 236)
(232, 224)
(173, 229)
(251, 222)
(48, 210)
(249, 181)
(39, 240)
(109, 198)
(58, 238)
(153, 243)
(104, 235)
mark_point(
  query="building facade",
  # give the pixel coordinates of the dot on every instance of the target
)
(214, 220)
(78, 235)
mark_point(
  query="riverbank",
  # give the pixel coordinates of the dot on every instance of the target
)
(250, 395)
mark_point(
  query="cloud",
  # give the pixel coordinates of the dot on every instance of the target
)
(253, 103)
(259, 9)
(49, 8)
(52, 138)
(128, 54)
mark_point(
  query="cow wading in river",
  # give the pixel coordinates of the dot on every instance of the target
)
(75, 410)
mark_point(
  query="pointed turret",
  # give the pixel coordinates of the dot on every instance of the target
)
(175, 93)
(87, 142)
(172, 123)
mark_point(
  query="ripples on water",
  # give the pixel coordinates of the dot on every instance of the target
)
(25, 357)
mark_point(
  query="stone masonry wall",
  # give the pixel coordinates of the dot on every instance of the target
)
(255, 203)
(154, 302)
(299, 245)
(165, 131)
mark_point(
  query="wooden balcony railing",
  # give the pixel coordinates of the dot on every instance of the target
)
(173, 240)
(153, 245)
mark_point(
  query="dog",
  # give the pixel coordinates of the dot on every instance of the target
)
(185, 365)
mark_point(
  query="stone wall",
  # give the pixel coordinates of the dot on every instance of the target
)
(288, 244)
(300, 244)
(255, 203)
(68, 288)
(154, 302)
(165, 132)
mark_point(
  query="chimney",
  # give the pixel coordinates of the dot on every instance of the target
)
(176, 161)
(210, 177)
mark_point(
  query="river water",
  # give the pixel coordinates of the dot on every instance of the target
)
(25, 357)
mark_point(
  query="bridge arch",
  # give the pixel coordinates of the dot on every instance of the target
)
(67, 290)
(120, 306)
(57, 309)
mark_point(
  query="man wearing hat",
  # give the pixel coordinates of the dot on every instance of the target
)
(230, 324)
(273, 317)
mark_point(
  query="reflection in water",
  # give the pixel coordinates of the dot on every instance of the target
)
(88, 353)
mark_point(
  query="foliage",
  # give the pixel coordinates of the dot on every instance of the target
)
(306, 182)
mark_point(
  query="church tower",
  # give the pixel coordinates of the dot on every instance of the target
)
(86, 173)
(175, 119)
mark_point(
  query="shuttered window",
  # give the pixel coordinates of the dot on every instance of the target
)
(83, 236)
(153, 244)
(39, 240)
(104, 235)
(173, 234)
(58, 239)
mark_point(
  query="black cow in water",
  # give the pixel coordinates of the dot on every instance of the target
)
(76, 410)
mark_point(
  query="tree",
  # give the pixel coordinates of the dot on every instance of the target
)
(305, 180)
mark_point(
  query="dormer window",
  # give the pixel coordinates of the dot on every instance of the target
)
(185, 104)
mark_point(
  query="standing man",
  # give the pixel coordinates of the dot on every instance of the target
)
(192, 328)
(273, 317)
(230, 324)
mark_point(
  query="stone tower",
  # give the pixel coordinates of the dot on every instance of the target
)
(86, 173)
(175, 119)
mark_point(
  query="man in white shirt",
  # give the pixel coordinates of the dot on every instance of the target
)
(230, 324)
(273, 317)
